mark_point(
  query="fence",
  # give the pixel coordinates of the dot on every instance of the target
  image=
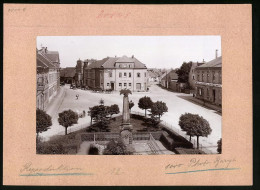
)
(182, 133)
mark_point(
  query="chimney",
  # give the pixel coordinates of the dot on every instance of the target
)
(203, 61)
(133, 56)
(216, 53)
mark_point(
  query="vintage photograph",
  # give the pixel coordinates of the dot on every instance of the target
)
(128, 95)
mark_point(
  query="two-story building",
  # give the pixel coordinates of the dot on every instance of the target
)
(208, 84)
(117, 73)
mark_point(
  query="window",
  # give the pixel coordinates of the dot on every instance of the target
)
(138, 75)
(129, 66)
(120, 75)
(213, 75)
(110, 74)
(124, 84)
(208, 77)
(193, 77)
(108, 84)
(207, 93)
(130, 84)
(144, 74)
(202, 76)
(120, 84)
(124, 74)
(219, 77)
(198, 77)
(130, 74)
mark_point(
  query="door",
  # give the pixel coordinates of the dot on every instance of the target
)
(112, 85)
(138, 86)
(214, 95)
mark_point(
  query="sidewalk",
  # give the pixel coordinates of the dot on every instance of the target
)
(55, 103)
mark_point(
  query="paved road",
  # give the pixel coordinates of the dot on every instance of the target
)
(176, 106)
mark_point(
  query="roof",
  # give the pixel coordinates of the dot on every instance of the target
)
(172, 75)
(44, 61)
(53, 56)
(109, 62)
(68, 72)
(213, 63)
(151, 74)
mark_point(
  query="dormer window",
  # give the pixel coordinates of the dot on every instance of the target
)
(138, 74)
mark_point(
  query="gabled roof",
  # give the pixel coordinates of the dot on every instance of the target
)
(213, 63)
(109, 62)
(53, 56)
(151, 74)
(124, 59)
(68, 72)
(44, 61)
(172, 75)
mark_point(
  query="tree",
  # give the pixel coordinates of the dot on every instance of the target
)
(93, 111)
(113, 109)
(185, 122)
(68, 118)
(131, 105)
(219, 146)
(43, 122)
(101, 116)
(145, 103)
(183, 72)
(116, 148)
(195, 125)
(158, 109)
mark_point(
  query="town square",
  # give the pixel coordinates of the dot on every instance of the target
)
(173, 110)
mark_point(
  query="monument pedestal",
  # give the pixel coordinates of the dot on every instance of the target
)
(126, 126)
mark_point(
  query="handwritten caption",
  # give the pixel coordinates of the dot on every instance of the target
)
(30, 169)
(13, 10)
(198, 163)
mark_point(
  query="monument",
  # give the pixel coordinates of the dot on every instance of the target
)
(126, 127)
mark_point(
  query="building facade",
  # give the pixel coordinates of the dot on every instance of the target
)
(208, 84)
(48, 76)
(116, 73)
(192, 74)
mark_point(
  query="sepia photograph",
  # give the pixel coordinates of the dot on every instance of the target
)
(128, 95)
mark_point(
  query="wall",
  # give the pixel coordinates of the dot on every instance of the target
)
(119, 82)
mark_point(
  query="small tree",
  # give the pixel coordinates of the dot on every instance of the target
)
(185, 121)
(158, 109)
(113, 109)
(116, 148)
(43, 122)
(195, 125)
(145, 103)
(68, 118)
(131, 105)
(101, 117)
(219, 146)
(93, 113)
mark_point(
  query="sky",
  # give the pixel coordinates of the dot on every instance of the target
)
(153, 51)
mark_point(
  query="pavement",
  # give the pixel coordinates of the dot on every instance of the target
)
(176, 106)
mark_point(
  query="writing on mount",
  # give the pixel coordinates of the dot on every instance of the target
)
(106, 14)
(16, 9)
